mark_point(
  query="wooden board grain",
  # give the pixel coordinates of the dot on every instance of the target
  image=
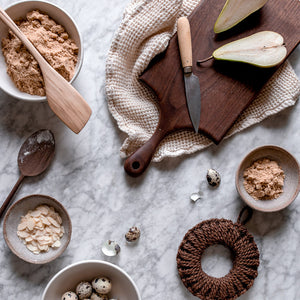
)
(227, 88)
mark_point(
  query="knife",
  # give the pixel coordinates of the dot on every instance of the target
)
(191, 81)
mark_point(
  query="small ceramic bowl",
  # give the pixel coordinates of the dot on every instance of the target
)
(12, 219)
(291, 170)
(18, 10)
(65, 280)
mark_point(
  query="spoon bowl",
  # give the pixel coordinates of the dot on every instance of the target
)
(36, 153)
(34, 157)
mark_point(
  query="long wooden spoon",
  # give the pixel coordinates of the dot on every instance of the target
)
(34, 157)
(62, 97)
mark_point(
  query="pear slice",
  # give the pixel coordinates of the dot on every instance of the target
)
(263, 49)
(235, 11)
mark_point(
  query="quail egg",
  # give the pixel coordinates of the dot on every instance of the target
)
(213, 177)
(133, 234)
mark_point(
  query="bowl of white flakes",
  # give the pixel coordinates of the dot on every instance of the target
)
(37, 229)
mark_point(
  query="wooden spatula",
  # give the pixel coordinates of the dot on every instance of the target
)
(62, 97)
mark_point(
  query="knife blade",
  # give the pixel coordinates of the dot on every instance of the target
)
(191, 81)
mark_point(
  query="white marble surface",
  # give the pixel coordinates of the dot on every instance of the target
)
(87, 177)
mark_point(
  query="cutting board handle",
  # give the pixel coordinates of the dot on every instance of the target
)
(138, 162)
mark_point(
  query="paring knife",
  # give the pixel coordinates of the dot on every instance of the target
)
(191, 81)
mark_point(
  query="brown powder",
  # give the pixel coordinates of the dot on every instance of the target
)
(51, 40)
(264, 179)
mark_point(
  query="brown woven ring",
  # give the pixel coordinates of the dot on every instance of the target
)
(245, 253)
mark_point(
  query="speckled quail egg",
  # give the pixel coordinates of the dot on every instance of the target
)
(133, 234)
(213, 177)
(99, 297)
(102, 285)
(84, 290)
(69, 296)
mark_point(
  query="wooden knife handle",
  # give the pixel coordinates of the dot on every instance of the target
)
(184, 41)
(138, 162)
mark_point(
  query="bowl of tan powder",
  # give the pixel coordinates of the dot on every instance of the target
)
(54, 33)
(37, 229)
(268, 178)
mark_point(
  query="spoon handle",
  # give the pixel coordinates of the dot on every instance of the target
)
(11, 194)
(15, 29)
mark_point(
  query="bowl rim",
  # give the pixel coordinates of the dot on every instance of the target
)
(63, 247)
(238, 171)
(26, 96)
(91, 261)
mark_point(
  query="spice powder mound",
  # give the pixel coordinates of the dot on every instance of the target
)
(51, 40)
(264, 179)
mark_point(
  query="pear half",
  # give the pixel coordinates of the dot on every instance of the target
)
(234, 11)
(263, 49)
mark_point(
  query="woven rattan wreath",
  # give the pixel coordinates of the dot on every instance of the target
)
(236, 237)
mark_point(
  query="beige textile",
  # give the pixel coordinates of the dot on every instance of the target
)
(145, 31)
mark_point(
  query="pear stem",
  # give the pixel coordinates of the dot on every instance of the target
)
(204, 60)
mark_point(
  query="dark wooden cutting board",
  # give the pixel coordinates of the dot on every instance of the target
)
(227, 88)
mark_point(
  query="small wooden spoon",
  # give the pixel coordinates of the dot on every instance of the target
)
(62, 97)
(34, 157)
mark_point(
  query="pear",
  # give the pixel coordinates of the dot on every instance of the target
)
(263, 49)
(235, 11)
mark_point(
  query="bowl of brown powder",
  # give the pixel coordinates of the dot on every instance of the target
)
(268, 178)
(54, 33)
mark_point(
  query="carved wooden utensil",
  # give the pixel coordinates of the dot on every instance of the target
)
(34, 157)
(62, 97)
(226, 88)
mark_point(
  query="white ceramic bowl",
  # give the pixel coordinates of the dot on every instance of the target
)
(123, 287)
(19, 10)
(290, 168)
